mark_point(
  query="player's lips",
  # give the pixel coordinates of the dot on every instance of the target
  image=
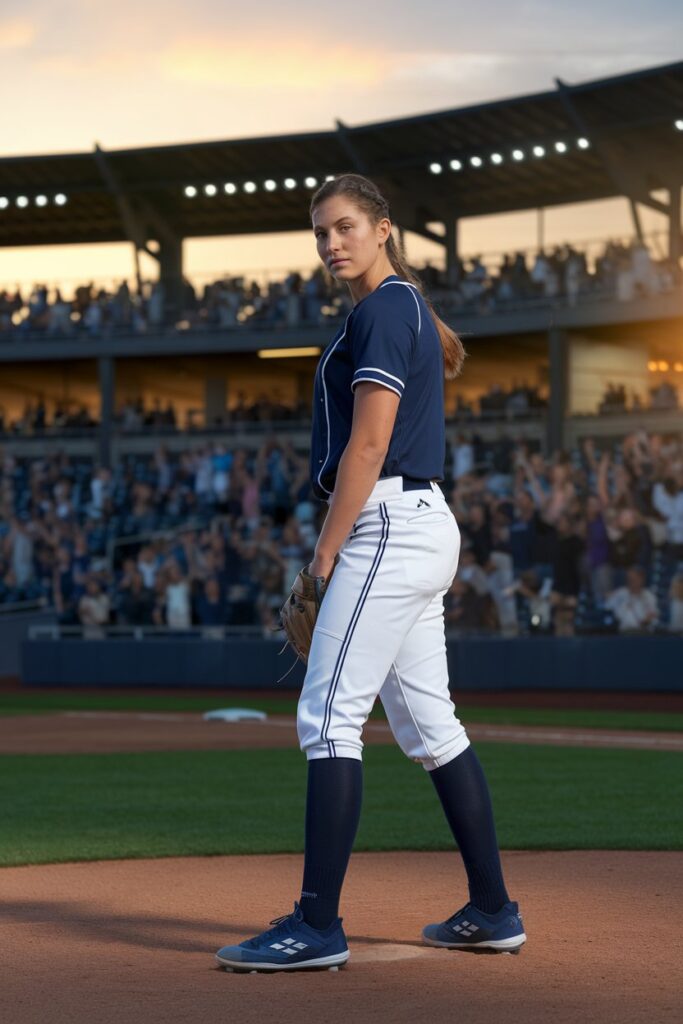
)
(340, 259)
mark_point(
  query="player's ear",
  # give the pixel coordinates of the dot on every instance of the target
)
(383, 230)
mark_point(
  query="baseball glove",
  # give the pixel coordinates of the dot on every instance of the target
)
(299, 612)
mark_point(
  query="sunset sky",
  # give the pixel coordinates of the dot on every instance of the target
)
(135, 74)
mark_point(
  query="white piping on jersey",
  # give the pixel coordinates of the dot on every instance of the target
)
(382, 384)
(327, 412)
(407, 284)
(376, 369)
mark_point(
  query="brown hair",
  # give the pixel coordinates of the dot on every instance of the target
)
(367, 197)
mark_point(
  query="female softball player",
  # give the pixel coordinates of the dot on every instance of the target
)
(377, 450)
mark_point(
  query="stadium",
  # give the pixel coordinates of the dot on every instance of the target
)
(156, 507)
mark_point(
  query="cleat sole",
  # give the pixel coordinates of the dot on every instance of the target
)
(327, 963)
(512, 946)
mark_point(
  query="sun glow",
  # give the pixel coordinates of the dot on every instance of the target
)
(262, 64)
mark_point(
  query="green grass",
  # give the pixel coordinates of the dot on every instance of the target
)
(23, 703)
(655, 721)
(78, 807)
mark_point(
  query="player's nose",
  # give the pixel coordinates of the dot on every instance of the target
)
(333, 244)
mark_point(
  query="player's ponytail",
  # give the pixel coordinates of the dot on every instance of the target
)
(453, 349)
(365, 194)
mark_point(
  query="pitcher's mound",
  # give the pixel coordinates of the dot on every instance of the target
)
(124, 941)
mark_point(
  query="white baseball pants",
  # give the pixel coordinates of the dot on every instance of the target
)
(381, 631)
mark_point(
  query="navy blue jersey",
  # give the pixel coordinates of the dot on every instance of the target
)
(390, 338)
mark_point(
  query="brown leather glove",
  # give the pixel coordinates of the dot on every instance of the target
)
(299, 613)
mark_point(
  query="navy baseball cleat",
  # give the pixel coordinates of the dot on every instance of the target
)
(291, 945)
(472, 930)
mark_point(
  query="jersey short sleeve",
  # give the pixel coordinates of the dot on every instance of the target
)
(383, 335)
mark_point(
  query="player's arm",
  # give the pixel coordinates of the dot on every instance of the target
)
(374, 414)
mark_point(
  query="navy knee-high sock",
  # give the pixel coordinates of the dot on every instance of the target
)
(333, 802)
(464, 794)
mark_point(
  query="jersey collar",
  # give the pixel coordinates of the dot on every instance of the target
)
(391, 277)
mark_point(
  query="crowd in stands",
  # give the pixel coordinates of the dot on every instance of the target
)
(587, 540)
(35, 420)
(96, 311)
(478, 285)
(590, 540)
(213, 538)
(160, 417)
(563, 274)
(518, 401)
(617, 399)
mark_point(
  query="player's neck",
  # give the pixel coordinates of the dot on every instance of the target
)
(370, 280)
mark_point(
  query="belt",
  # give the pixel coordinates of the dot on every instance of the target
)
(411, 483)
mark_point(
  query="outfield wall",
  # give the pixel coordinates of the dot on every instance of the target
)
(600, 663)
(14, 627)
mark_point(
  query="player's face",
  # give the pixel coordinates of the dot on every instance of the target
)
(348, 242)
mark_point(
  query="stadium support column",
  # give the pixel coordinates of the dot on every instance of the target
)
(675, 229)
(171, 277)
(452, 256)
(558, 349)
(105, 369)
(215, 401)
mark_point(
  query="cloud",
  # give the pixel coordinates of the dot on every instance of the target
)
(16, 33)
(290, 64)
(422, 80)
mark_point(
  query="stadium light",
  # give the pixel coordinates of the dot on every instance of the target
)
(230, 188)
(22, 201)
(60, 199)
(476, 161)
(310, 181)
(496, 158)
(538, 151)
(190, 191)
(678, 367)
(41, 200)
(287, 353)
(210, 190)
(517, 154)
(582, 143)
(455, 165)
(329, 177)
(663, 366)
(250, 186)
(290, 183)
(435, 168)
(4, 202)
(561, 147)
(270, 185)
(679, 124)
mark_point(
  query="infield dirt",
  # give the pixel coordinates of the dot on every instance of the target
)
(132, 941)
(100, 732)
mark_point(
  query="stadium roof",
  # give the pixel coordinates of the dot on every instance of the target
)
(616, 136)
